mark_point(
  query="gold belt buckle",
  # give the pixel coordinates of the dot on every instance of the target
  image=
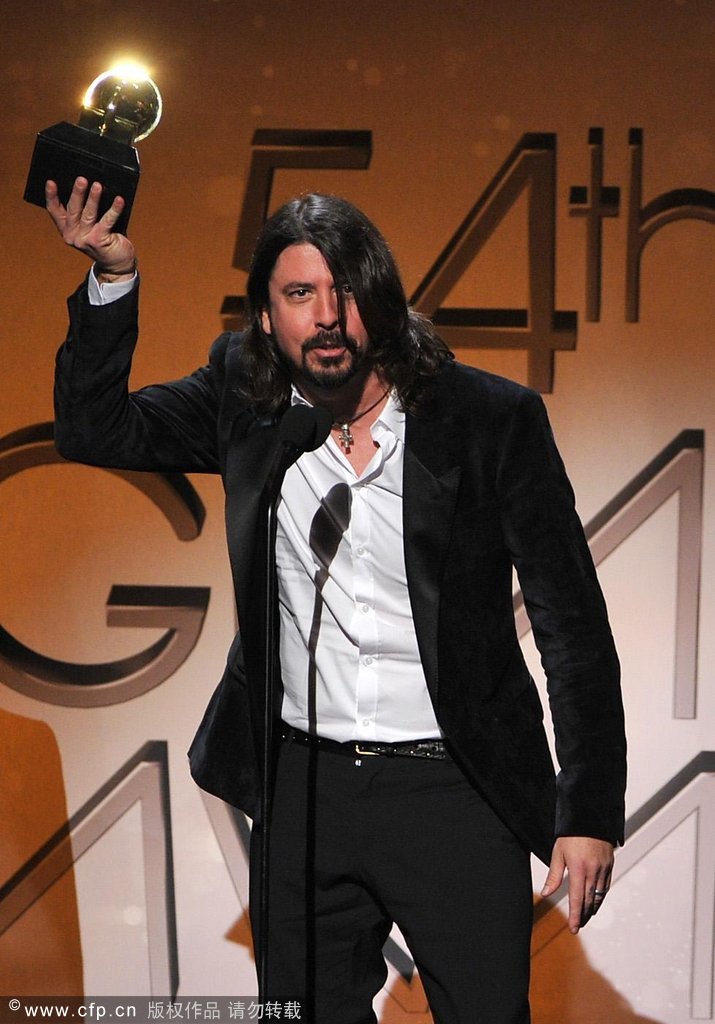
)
(366, 753)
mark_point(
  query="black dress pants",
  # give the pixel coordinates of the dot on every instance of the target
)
(359, 843)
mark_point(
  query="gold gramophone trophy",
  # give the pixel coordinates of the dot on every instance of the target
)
(121, 107)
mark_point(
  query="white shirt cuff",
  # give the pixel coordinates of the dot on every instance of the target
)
(102, 294)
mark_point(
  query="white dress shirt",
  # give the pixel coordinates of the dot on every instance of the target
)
(346, 622)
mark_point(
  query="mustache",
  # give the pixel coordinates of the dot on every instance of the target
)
(330, 339)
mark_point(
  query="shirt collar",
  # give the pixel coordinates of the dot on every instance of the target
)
(392, 416)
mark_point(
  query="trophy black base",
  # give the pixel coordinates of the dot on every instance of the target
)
(67, 151)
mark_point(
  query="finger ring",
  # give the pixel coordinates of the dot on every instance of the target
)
(600, 892)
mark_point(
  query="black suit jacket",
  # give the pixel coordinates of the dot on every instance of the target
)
(484, 490)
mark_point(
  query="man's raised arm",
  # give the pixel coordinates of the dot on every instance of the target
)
(168, 427)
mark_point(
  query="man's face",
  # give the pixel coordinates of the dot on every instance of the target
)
(302, 317)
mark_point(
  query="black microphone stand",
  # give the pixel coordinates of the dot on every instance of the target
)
(303, 429)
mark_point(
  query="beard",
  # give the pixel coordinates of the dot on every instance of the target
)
(331, 372)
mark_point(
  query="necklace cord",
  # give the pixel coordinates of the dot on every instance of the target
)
(343, 424)
(346, 439)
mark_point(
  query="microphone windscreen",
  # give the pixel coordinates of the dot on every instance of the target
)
(305, 427)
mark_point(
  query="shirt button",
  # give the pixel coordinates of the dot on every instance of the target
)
(361, 552)
(366, 721)
(368, 660)
(366, 608)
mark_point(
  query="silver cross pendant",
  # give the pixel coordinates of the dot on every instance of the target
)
(346, 438)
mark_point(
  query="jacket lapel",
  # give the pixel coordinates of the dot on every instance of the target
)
(430, 484)
(248, 463)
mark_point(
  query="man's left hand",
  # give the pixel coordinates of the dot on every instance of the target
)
(588, 863)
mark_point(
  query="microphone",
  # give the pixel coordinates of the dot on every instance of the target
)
(302, 429)
(305, 427)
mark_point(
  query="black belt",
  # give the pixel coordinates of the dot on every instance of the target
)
(433, 750)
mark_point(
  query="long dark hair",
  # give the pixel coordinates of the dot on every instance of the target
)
(404, 347)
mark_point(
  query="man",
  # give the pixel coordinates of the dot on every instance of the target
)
(413, 775)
